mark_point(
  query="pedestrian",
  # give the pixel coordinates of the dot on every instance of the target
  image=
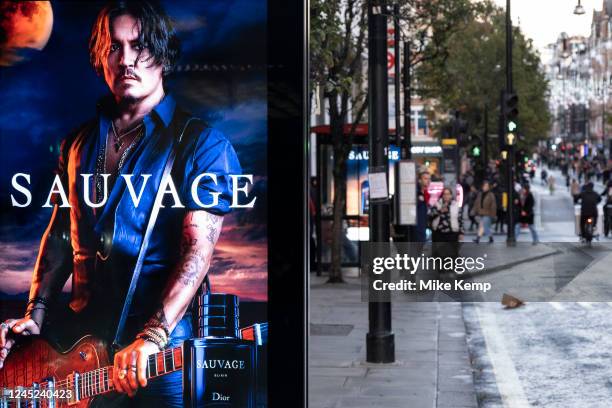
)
(485, 209)
(575, 190)
(544, 176)
(501, 213)
(471, 202)
(551, 184)
(607, 189)
(446, 226)
(606, 175)
(526, 206)
(422, 206)
(465, 187)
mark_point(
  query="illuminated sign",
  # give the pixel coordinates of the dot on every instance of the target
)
(394, 153)
(426, 149)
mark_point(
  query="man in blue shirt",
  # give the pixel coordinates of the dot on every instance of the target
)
(112, 169)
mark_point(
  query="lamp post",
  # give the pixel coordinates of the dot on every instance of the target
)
(510, 134)
(380, 340)
(604, 102)
(603, 109)
(579, 10)
(397, 72)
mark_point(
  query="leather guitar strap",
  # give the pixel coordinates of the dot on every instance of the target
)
(147, 236)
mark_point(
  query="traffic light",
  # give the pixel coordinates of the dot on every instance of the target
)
(511, 109)
(475, 151)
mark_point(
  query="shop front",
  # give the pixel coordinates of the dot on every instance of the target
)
(355, 220)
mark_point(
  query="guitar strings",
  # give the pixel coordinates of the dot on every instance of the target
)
(97, 371)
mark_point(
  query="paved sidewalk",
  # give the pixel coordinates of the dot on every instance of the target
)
(432, 367)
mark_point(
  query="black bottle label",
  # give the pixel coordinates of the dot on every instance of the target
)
(221, 373)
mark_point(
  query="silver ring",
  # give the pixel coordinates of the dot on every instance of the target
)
(4, 325)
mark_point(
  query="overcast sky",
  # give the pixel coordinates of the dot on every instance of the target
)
(544, 20)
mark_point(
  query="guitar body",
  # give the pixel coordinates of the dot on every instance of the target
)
(33, 360)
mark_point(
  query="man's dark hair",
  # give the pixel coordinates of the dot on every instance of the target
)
(155, 32)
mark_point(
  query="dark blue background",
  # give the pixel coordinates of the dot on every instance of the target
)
(54, 90)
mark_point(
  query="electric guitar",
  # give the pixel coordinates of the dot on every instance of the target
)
(36, 375)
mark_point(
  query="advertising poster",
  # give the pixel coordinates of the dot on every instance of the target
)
(133, 140)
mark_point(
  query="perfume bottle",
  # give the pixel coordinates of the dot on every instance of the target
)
(219, 367)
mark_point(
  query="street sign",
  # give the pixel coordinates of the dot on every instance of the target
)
(450, 161)
(406, 193)
(377, 180)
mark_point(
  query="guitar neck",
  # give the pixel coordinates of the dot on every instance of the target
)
(99, 381)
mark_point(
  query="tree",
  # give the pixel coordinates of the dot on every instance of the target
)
(337, 44)
(338, 41)
(472, 75)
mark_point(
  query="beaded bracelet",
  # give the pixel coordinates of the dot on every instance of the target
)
(161, 333)
(157, 325)
(154, 336)
(38, 299)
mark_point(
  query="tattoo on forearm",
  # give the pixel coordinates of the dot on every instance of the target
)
(198, 233)
(212, 234)
(159, 319)
(213, 222)
(191, 267)
(188, 242)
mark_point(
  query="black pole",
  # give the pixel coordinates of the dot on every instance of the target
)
(318, 228)
(485, 140)
(403, 233)
(511, 239)
(508, 48)
(406, 152)
(397, 72)
(380, 343)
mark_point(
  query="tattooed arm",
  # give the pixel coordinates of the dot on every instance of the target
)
(200, 233)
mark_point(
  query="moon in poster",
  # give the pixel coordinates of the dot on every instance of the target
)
(23, 25)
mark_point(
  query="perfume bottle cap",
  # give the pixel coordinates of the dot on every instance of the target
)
(218, 315)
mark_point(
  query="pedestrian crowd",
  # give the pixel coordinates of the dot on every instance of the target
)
(484, 205)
